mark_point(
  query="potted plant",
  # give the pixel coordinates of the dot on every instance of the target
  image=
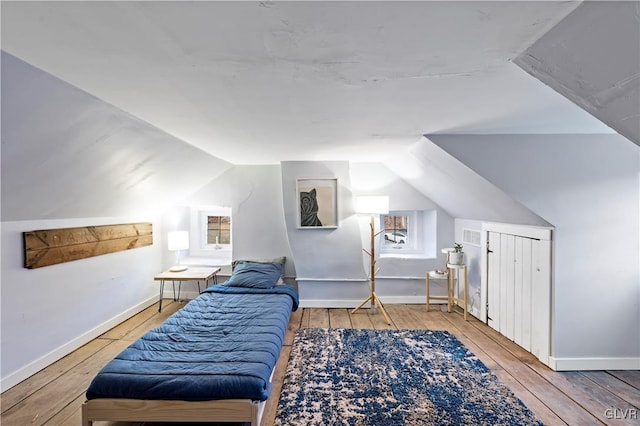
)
(456, 257)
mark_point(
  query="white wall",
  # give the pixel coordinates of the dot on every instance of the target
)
(328, 261)
(262, 197)
(48, 312)
(472, 257)
(323, 253)
(401, 278)
(588, 187)
(69, 159)
(254, 194)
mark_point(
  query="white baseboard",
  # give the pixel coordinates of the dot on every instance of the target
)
(584, 364)
(326, 303)
(386, 300)
(30, 369)
(401, 300)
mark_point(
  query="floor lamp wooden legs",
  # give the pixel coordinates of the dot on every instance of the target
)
(373, 298)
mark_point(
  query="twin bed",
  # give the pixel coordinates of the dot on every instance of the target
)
(211, 361)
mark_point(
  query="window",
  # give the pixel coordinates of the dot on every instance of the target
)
(395, 231)
(410, 233)
(211, 233)
(218, 230)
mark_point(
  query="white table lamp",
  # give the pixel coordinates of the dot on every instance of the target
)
(177, 241)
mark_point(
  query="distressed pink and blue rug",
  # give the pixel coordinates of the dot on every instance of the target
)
(392, 377)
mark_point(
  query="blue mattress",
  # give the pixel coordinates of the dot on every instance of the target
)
(221, 345)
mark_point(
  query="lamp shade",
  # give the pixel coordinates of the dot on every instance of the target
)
(372, 204)
(178, 240)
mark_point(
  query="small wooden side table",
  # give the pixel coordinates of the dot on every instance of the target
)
(454, 272)
(194, 273)
(431, 275)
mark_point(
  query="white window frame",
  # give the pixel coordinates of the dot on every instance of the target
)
(198, 245)
(412, 233)
(421, 233)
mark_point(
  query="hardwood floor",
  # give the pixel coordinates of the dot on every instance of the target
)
(54, 395)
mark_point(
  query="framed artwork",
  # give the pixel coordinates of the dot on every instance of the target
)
(317, 201)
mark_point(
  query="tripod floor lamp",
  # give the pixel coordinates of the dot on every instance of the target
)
(373, 206)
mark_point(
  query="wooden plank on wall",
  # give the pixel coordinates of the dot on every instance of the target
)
(53, 246)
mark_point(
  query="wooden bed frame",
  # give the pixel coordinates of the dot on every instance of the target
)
(156, 410)
(136, 410)
(224, 410)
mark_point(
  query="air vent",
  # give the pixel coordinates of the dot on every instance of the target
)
(470, 236)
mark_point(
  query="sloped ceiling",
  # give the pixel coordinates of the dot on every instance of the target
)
(461, 191)
(593, 58)
(264, 82)
(66, 154)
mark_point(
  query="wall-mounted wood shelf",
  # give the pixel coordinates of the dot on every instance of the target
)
(53, 246)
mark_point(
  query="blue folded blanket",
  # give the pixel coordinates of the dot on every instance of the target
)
(221, 345)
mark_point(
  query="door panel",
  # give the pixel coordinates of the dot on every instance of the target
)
(493, 280)
(518, 296)
(516, 285)
(523, 300)
(509, 259)
(506, 259)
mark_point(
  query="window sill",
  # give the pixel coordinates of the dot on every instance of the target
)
(420, 256)
(218, 253)
(205, 261)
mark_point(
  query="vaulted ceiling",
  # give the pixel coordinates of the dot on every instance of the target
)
(107, 107)
(264, 82)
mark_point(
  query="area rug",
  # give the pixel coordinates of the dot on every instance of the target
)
(392, 377)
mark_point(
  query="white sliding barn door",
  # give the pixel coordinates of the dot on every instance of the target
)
(518, 286)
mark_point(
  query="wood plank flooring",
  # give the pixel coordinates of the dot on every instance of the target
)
(54, 395)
